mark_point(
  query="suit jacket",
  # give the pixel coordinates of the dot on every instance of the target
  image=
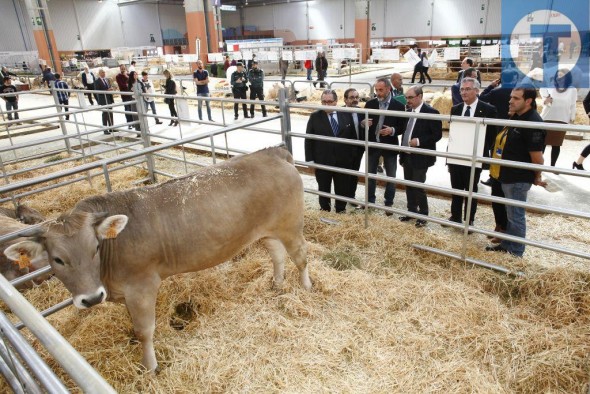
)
(429, 132)
(327, 152)
(460, 76)
(499, 97)
(398, 123)
(483, 110)
(103, 99)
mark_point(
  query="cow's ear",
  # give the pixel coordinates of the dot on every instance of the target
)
(111, 226)
(24, 252)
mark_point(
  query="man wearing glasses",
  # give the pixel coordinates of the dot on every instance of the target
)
(330, 123)
(470, 107)
(422, 134)
(383, 129)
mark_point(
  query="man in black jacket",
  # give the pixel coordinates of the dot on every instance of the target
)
(239, 79)
(330, 123)
(384, 129)
(321, 67)
(422, 134)
(102, 83)
(256, 78)
(460, 174)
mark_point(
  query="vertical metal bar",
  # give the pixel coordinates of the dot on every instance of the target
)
(366, 171)
(107, 178)
(81, 142)
(39, 368)
(62, 124)
(144, 129)
(285, 119)
(470, 191)
(73, 363)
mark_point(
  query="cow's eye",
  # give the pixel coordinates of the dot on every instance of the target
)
(59, 261)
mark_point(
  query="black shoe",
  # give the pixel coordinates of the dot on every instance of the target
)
(487, 182)
(175, 123)
(405, 218)
(264, 115)
(497, 248)
(420, 223)
(129, 127)
(171, 123)
(211, 120)
(451, 219)
(158, 122)
(106, 132)
(246, 116)
(251, 115)
(576, 166)
(235, 117)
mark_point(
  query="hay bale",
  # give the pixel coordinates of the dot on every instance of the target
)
(443, 103)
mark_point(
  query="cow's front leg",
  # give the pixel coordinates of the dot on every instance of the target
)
(141, 304)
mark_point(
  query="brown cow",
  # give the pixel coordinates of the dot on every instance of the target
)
(13, 269)
(120, 246)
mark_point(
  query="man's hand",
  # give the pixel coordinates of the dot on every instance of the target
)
(414, 142)
(386, 130)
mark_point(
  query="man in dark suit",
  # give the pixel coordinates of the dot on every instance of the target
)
(460, 174)
(422, 134)
(456, 88)
(330, 123)
(384, 129)
(102, 83)
(466, 64)
(351, 100)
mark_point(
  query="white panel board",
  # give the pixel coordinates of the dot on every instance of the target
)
(462, 140)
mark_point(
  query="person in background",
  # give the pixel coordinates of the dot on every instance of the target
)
(122, 79)
(132, 85)
(425, 67)
(422, 134)
(214, 68)
(239, 79)
(201, 79)
(11, 100)
(559, 107)
(226, 65)
(147, 87)
(283, 67)
(62, 97)
(397, 88)
(249, 64)
(5, 73)
(48, 76)
(466, 64)
(170, 88)
(418, 67)
(256, 78)
(308, 68)
(524, 145)
(321, 68)
(132, 66)
(330, 123)
(102, 83)
(578, 164)
(384, 129)
(88, 79)
(351, 100)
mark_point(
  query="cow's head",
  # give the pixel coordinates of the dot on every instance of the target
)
(73, 245)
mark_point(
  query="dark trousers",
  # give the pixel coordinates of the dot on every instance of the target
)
(424, 73)
(240, 94)
(107, 118)
(417, 201)
(172, 109)
(257, 93)
(12, 106)
(390, 166)
(460, 180)
(321, 76)
(341, 188)
(89, 95)
(66, 108)
(555, 151)
(418, 69)
(585, 151)
(500, 215)
(128, 117)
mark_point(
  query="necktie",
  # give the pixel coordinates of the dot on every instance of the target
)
(334, 124)
(467, 111)
(408, 133)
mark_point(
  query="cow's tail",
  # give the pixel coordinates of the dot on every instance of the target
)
(281, 151)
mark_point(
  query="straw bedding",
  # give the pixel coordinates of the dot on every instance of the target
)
(382, 317)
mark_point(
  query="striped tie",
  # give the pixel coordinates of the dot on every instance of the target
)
(334, 124)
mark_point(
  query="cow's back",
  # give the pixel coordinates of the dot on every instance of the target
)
(205, 218)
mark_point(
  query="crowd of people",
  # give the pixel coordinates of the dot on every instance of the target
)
(503, 99)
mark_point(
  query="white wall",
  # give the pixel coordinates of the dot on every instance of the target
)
(139, 21)
(12, 37)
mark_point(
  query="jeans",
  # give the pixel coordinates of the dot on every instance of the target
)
(516, 216)
(390, 166)
(10, 106)
(152, 105)
(309, 70)
(199, 109)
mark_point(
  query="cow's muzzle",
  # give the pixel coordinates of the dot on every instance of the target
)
(84, 301)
